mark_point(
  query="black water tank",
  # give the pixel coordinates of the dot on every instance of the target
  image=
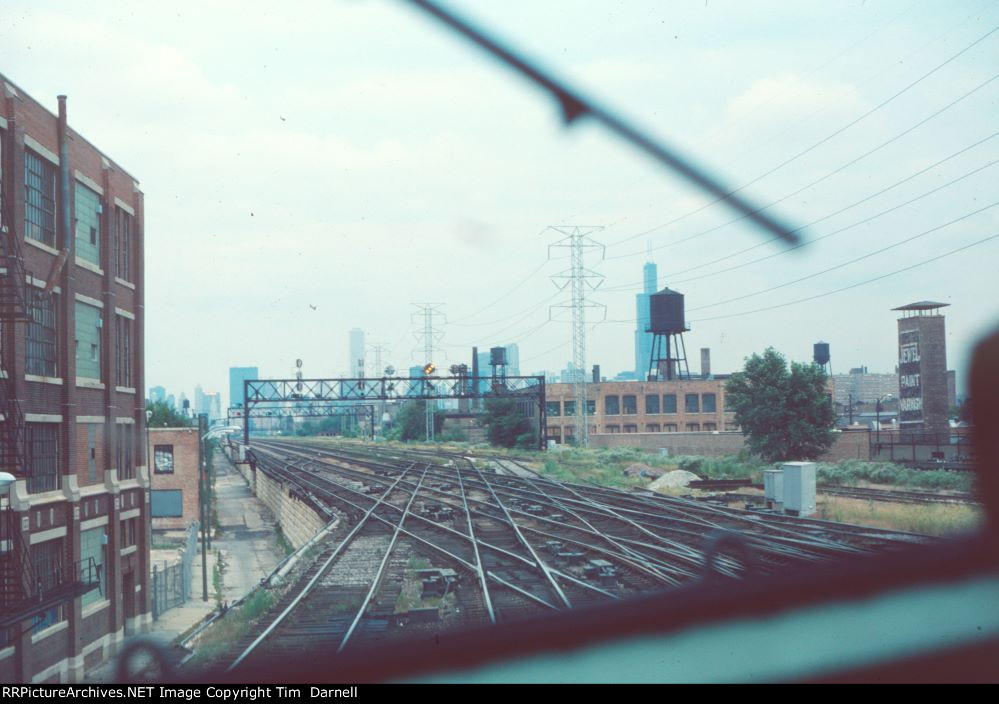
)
(820, 353)
(497, 357)
(666, 312)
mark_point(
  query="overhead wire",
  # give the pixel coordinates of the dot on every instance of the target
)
(630, 287)
(814, 146)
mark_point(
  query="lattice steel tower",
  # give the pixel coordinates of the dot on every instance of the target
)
(577, 240)
(431, 315)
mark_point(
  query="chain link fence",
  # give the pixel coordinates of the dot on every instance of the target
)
(172, 583)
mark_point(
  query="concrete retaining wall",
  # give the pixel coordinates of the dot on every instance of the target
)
(848, 445)
(299, 521)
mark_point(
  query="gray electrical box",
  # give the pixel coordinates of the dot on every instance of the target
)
(773, 488)
(799, 488)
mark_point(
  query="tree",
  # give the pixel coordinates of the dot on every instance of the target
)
(786, 415)
(411, 421)
(507, 426)
(164, 416)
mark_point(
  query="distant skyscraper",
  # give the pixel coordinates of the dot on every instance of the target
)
(512, 360)
(200, 404)
(213, 403)
(356, 352)
(171, 401)
(643, 339)
(157, 394)
(237, 375)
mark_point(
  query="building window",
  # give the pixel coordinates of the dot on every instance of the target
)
(731, 426)
(552, 408)
(591, 407)
(39, 199)
(651, 403)
(691, 403)
(123, 351)
(630, 403)
(631, 428)
(88, 224)
(123, 244)
(652, 427)
(693, 427)
(670, 427)
(708, 403)
(92, 548)
(612, 406)
(569, 407)
(125, 451)
(129, 533)
(613, 428)
(42, 445)
(710, 426)
(169, 503)
(669, 403)
(88, 341)
(163, 458)
(47, 566)
(40, 334)
(91, 454)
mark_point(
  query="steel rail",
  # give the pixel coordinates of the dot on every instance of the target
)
(475, 547)
(312, 582)
(520, 536)
(376, 583)
(463, 562)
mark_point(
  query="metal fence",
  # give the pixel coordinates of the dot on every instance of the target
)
(172, 582)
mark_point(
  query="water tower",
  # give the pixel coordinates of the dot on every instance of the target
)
(667, 325)
(820, 355)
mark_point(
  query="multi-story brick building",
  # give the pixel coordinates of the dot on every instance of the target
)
(175, 489)
(74, 523)
(688, 405)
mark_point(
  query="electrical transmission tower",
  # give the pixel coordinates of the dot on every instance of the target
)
(578, 278)
(431, 317)
(377, 349)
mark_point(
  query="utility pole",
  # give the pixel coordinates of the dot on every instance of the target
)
(578, 278)
(205, 510)
(429, 314)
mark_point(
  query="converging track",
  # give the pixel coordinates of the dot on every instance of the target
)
(427, 541)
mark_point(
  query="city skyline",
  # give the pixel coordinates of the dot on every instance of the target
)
(869, 123)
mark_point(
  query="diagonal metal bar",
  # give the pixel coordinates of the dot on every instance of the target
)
(574, 106)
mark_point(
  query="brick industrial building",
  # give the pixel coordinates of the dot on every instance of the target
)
(74, 526)
(688, 405)
(175, 490)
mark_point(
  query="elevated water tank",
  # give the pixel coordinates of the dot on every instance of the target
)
(820, 353)
(666, 313)
(497, 357)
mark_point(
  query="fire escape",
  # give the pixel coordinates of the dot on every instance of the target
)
(24, 594)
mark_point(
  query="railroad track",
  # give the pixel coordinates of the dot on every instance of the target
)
(432, 541)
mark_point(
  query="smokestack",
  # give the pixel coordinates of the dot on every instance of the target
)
(596, 373)
(705, 362)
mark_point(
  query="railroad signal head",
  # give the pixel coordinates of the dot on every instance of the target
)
(429, 368)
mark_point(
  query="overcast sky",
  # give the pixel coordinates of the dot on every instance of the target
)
(312, 167)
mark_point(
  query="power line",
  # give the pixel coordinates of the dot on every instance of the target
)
(630, 287)
(828, 293)
(849, 262)
(825, 176)
(851, 286)
(813, 146)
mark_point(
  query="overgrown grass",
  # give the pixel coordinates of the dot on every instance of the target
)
(852, 472)
(928, 519)
(231, 628)
(282, 541)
